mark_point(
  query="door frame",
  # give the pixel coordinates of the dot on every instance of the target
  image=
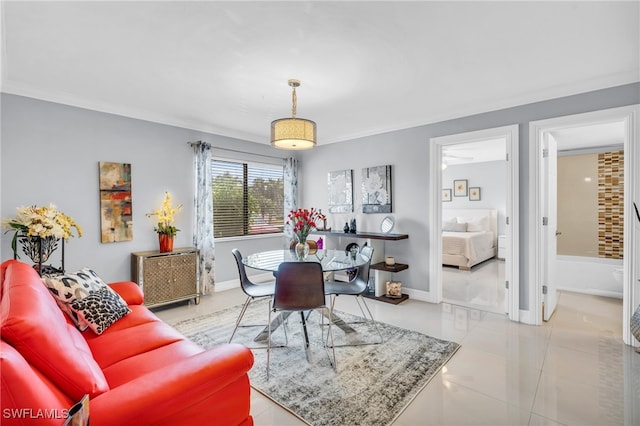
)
(631, 251)
(512, 272)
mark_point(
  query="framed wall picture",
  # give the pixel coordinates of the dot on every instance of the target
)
(474, 193)
(446, 194)
(460, 188)
(116, 216)
(376, 189)
(340, 185)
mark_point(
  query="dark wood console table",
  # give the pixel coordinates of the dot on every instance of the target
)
(381, 271)
(369, 235)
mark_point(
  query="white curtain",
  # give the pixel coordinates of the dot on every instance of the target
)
(203, 214)
(290, 193)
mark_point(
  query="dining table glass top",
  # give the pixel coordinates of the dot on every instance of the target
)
(331, 260)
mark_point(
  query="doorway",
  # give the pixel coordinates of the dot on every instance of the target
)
(543, 291)
(440, 151)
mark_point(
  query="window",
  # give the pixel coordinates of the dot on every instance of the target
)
(248, 198)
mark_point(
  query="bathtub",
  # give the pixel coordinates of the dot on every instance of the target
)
(591, 275)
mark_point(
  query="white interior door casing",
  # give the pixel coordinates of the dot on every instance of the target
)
(510, 134)
(549, 202)
(538, 130)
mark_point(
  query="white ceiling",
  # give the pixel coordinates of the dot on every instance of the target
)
(591, 136)
(475, 152)
(365, 67)
(587, 137)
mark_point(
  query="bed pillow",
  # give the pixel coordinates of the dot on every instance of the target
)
(476, 224)
(448, 223)
(454, 227)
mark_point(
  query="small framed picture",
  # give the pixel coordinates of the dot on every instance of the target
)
(460, 188)
(446, 194)
(474, 193)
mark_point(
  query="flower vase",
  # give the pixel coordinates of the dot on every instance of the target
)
(166, 243)
(39, 248)
(302, 248)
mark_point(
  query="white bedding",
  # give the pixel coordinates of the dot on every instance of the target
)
(467, 244)
(477, 244)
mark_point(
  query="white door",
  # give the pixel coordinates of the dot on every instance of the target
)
(550, 222)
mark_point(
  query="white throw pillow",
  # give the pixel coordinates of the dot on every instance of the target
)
(454, 227)
(478, 224)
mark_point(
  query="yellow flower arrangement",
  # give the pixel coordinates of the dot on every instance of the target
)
(46, 221)
(166, 216)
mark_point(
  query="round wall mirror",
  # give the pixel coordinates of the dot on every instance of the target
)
(387, 224)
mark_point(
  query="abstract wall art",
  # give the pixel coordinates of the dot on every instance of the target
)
(376, 189)
(340, 191)
(116, 217)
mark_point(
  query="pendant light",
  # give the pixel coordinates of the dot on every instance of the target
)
(293, 133)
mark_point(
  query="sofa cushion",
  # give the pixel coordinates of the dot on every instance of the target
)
(33, 324)
(29, 390)
(136, 365)
(112, 347)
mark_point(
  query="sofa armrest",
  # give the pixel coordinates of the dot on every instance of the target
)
(129, 291)
(173, 389)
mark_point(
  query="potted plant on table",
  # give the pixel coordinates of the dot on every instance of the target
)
(165, 228)
(303, 221)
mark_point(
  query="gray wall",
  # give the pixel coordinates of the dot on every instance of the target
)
(50, 153)
(490, 177)
(408, 152)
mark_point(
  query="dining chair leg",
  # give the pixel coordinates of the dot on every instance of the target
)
(375, 324)
(368, 318)
(364, 314)
(268, 343)
(307, 348)
(333, 360)
(244, 309)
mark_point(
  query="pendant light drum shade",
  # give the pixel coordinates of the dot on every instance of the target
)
(293, 133)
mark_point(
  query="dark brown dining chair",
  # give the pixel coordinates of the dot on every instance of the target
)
(299, 288)
(356, 287)
(252, 290)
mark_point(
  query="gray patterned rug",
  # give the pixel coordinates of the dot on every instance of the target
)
(373, 383)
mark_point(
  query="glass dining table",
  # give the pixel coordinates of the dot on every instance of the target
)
(331, 261)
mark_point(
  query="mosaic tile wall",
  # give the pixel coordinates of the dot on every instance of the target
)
(610, 204)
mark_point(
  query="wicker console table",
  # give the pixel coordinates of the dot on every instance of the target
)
(166, 277)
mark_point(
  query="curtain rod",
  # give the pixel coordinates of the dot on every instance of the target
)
(235, 150)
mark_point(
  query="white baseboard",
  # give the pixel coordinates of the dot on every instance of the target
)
(423, 296)
(525, 317)
(231, 284)
(226, 285)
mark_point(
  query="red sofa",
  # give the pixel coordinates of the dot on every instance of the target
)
(138, 371)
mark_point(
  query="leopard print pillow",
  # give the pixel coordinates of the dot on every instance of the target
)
(73, 286)
(100, 309)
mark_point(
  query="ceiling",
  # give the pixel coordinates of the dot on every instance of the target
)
(591, 136)
(598, 136)
(366, 67)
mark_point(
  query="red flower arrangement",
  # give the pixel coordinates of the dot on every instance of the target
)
(303, 221)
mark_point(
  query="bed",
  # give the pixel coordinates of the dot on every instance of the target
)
(469, 236)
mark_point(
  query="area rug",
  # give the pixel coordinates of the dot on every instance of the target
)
(373, 383)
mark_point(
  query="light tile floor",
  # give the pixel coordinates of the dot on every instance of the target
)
(483, 287)
(573, 370)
